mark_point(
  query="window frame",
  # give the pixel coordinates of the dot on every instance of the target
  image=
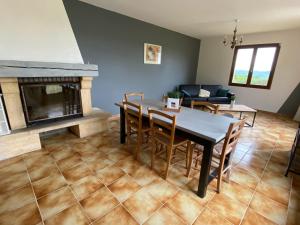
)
(250, 73)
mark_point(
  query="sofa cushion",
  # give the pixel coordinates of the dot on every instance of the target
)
(222, 92)
(204, 93)
(192, 89)
(212, 89)
(202, 99)
(218, 100)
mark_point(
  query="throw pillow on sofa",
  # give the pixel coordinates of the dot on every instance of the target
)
(204, 93)
(222, 92)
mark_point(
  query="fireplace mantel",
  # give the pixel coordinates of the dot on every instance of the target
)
(11, 68)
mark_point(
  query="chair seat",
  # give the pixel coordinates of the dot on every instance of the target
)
(177, 140)
(216, 154)
(145, 128)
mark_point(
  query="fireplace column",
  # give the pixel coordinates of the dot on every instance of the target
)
(86, 102)
(13, 104)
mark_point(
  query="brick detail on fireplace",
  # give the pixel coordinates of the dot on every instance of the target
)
(11, 96)
(86, 86)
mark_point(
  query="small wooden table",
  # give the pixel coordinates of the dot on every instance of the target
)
(241, 109)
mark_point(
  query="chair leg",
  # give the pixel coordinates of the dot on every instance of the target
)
(219, 178)
(169, 156)
(138, 147)
(154, 148)
(227, 178)
(219, 181)
(197, 158)
(187, 153)
(190, 160)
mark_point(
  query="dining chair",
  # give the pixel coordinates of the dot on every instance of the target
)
(221, 154)
(134, 95)
(205, 105)
(163, 138)
(134, 125)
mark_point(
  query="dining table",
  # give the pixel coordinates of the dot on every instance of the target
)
(200, 127)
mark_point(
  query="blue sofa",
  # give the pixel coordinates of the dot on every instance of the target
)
(217, 94)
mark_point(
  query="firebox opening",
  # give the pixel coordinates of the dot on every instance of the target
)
(48, 99)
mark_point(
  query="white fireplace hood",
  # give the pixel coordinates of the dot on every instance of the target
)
(11, 68)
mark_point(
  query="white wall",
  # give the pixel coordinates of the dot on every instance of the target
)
(215, 64)
(36, 30)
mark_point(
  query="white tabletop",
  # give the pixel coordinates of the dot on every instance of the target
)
(236, 108)
(202, 124)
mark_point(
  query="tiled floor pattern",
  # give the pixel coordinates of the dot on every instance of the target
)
(95, 180)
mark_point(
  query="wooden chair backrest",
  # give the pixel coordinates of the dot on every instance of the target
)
(212, 107)
(134, 95)
(162, 125)
(133, 114)
(232, 136)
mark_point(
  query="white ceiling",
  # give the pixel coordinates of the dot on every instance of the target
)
(200, 18)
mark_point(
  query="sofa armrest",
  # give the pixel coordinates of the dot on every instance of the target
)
(186, 94)
(230, 94)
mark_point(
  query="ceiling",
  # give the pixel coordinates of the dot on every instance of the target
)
(201, 18)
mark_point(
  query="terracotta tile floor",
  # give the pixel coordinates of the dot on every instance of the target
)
(95, 180)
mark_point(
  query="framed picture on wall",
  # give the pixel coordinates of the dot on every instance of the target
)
(152, 54)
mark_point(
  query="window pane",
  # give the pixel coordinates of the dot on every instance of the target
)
(242, 65)
(262, 66)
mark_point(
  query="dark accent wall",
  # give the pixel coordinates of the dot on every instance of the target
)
(116, 44)
(291, 104)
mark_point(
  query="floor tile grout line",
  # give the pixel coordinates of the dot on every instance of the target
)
(260, 178)
(141, 187)
(75, 196)
(165, 205)
(59, 189)
(121, 203)
(100, 217)
(35, 198)
(105, 185)
(218, 213)
(255, 190)
(276, 147)
(290, 197)
(180, 189)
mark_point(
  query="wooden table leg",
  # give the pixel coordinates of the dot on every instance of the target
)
(205, 169)
(122, 126)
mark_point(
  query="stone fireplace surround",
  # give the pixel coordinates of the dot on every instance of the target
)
(25, 139)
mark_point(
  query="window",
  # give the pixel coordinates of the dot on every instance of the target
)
(254, 65)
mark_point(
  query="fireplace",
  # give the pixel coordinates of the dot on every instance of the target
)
(44, 92)
(48, 99)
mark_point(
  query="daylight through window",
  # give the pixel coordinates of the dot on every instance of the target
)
(254, 65)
